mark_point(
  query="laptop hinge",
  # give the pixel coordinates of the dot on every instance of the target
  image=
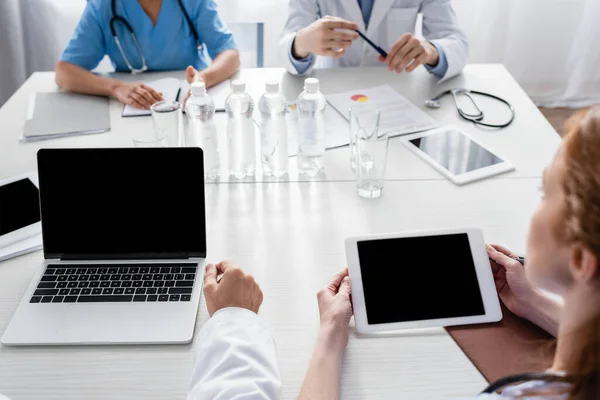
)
(130, 256)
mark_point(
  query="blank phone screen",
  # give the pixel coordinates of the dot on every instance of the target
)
(19, 206)
(419, 278)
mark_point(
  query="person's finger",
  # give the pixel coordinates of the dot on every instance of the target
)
(381, 58)
(189, 74)
(397, 46)
(345, 287)
(340, 24)
(504, 250)
(156, 96)
(140, 99)
(501, 258)
(210, 274)
(335, 281)
(341, 35)
(401, 55)
(145, 94)
(333, 53)
(420, 60)
(224, 266)
(336, 44)
(133, 102)
(410, 57)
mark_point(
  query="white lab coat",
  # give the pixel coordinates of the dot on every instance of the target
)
(389, 20)
(235, 359)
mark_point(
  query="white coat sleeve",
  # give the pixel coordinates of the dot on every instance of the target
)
(301, 13)
(440, 26)
(235, 359)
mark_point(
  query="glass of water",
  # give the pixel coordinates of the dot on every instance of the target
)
(364, 121)
(149, 138)
(166, 117)
(371, 160)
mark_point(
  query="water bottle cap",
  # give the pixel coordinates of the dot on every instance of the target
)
(272, 86)
(238, 87)
(311, 85)
(198, 89)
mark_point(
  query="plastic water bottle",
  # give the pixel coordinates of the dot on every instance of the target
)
(240, 131)
(202, 132)
(311, 136)
(273, 131)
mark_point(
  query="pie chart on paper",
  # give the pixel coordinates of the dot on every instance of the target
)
(359, 98)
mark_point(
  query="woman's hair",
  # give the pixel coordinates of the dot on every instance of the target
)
(581, 184)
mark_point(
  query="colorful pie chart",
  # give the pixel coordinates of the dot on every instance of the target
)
(360, 98)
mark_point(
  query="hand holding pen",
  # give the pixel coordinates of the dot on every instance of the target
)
(328, 36)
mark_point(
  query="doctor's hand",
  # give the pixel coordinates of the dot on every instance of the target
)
(324, 38)
(335, 308)
(136, 94)
(408, 52)
(233, 289)
(515, 291)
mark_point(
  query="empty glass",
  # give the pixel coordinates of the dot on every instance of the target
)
(364, 120)
(166, 116)
(371, 159)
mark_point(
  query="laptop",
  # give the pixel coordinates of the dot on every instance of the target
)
(59, 114)
(124, 238)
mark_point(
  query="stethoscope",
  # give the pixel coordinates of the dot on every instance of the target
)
(117, 18)
(476, 118)
(527, 377)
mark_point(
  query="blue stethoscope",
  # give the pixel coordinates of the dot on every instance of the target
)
(477, 117)
(117, 18)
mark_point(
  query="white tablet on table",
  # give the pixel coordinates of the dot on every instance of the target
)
(421, 279)
(19, 209)
(456, 155)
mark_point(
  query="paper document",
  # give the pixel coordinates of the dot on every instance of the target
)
(398, 115)
(21, 247)
(217, 93)
(169, 87)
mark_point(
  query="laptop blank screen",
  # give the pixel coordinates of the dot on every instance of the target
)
(122, 203)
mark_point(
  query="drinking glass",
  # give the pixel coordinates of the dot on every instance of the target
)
(149, 138)
(166, 116)
(364, 121)
(371, 159)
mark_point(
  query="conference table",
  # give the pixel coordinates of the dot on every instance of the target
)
(290, 235)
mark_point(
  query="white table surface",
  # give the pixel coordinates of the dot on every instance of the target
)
(289, 235)
(529, 143)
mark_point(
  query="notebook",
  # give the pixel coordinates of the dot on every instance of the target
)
(177, 90)
(59, 114)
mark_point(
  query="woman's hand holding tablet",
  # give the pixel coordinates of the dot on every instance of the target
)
(421, 280)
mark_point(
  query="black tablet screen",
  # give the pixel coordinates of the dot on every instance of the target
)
(19, 205)
(419, 278)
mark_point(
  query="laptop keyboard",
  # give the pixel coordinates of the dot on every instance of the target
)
(102, 283)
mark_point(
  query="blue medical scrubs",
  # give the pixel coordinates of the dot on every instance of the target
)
(168, 45)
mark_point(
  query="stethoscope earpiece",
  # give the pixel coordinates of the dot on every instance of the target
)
(432, 103)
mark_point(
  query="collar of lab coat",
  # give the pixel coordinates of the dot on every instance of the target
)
(353, 9)
(380, 9)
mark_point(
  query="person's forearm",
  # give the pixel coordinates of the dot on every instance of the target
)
(224, 66)
(73, 78)
(545, 312)
(324, 373)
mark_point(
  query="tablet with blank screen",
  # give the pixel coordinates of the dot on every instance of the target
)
(456, 155)
(19, 209)
(421, 280)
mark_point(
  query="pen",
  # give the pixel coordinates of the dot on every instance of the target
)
(373, 45)
(178, 93)
(520, 259)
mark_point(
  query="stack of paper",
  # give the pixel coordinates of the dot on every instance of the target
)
(398, 115)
